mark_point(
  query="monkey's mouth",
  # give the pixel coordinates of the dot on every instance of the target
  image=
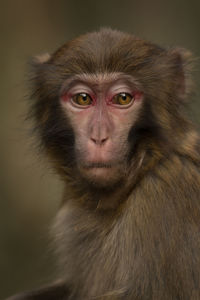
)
(98, 165)
(102, 173)
(96, 169)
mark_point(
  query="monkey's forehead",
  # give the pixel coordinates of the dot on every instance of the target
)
(100, 79)
(108, 51)
(105, 51)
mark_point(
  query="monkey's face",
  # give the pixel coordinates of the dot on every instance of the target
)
(118, 95)
(101, 109)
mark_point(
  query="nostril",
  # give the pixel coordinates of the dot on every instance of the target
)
(94, 140)
(103, 141)
(99, 141)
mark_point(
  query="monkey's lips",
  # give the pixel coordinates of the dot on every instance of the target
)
(97, 168)
(98, 165)
(102, 173)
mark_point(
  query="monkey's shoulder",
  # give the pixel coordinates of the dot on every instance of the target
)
(178, 167)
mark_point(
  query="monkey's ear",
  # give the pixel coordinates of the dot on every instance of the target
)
(41, 59)
(182, 63)
(45, 81)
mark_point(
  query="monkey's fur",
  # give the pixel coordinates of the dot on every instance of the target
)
(138, 238)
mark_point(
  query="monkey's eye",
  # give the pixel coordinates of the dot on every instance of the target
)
(122, 99)
(82, 99)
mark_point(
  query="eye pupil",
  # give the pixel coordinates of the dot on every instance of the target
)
(123, 96)
(84, 97)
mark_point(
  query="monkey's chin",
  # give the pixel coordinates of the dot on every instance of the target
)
(101, 176)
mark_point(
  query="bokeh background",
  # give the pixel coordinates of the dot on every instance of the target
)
(29, 191)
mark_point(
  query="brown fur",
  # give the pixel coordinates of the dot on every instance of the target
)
(139, 239)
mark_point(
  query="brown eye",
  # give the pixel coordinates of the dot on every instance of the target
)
(122, 99)
(82, 99)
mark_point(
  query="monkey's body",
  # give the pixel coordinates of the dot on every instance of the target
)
(144, 253)
(129, 226)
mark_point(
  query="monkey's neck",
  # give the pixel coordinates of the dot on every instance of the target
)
(95, 199)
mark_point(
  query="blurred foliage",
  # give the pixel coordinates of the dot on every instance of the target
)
(29, 193)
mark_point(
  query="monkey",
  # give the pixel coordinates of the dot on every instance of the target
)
(109, 111)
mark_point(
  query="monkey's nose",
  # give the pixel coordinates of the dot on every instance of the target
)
(99, 141)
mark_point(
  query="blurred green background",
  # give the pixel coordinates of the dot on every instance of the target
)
(29, 191)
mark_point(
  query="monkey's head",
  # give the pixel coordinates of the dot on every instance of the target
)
(104, 100)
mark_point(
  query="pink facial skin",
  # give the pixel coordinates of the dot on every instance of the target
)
(102, 127)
